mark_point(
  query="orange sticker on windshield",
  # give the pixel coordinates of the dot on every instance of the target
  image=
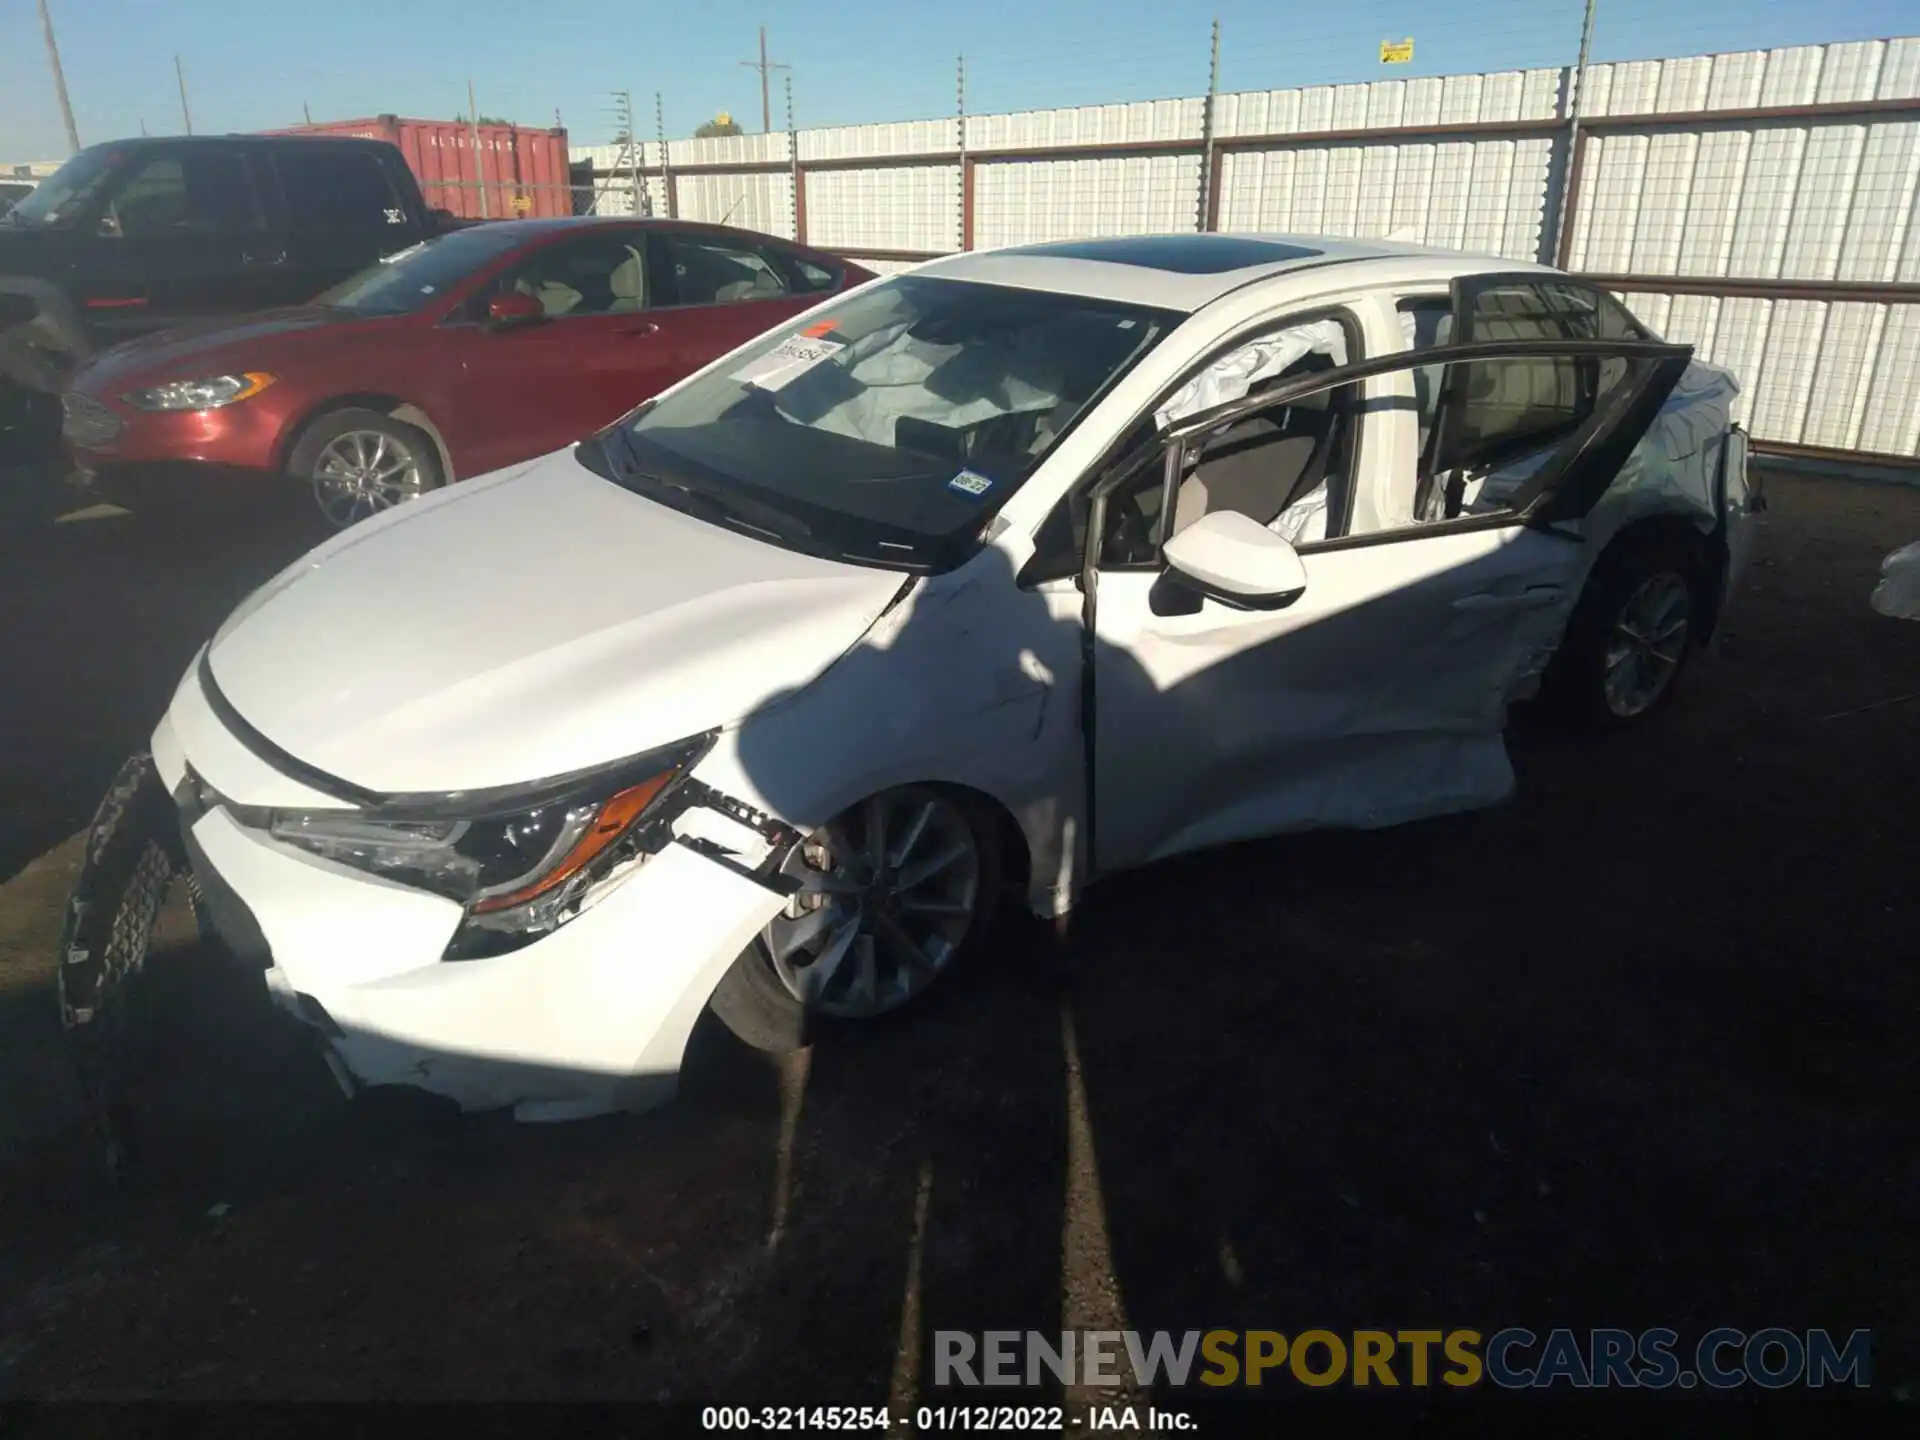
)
(819, 328)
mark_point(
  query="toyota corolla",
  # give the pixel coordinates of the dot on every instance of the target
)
(996, 578)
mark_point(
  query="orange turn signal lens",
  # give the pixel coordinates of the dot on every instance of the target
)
(616, 817)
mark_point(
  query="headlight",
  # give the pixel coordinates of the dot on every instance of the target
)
(521, 860)
(207, 394)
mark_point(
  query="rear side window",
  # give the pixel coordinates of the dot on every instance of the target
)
(205, 192)
(337, 189)
(1516, 407)
(810, 278)
(703, 270)
(1552, 310)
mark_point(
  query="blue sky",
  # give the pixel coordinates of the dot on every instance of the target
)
(251, 66)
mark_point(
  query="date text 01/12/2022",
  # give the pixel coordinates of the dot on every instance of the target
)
(985, 1419)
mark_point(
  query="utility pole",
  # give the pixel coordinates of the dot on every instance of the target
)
(766, 67)
(306, 110)
(180, 74)
(59, 79)
(473, 132)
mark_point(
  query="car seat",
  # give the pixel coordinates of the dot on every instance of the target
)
(628, 281)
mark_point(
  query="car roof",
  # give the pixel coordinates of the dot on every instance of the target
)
(1186, 271)
(173, 142)
(536, 227)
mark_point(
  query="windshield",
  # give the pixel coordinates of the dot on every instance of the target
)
(891, 428)
(62, 197)
(421, 275)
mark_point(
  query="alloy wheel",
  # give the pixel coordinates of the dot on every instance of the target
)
(887, 893)
(363, 472)
(1648, 642)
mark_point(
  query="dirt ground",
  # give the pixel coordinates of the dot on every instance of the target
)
(1635, 1049)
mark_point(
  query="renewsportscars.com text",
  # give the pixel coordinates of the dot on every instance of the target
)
(1514, 1358)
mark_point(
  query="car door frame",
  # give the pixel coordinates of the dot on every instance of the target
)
(148, 284)
(1562, 490)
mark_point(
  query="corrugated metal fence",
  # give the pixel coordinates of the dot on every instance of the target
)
(1760, 205)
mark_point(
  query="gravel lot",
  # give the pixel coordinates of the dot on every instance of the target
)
(1633, 1050)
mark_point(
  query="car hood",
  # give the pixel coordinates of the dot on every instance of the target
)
(214, 346)
(524, 626)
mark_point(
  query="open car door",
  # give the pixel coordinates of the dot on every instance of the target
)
(1370, 686)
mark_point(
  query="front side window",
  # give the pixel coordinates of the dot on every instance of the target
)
(1290, 467)
(330, 188)
(205, 192)
(60, 199)
(705, 271)
(892, 427)
(421, 276)
(600, 274)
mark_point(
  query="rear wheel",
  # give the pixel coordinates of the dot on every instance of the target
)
(360, 462)
(890, 895)
(1636, 624)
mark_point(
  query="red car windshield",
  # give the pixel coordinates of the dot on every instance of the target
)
(422, 275)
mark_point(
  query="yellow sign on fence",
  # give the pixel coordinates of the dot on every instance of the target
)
(522, 204)
(1396, 52)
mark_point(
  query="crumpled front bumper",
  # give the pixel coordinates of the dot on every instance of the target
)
(591, 1018)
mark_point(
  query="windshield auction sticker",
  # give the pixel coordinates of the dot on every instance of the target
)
(970, 482)
(787, 361)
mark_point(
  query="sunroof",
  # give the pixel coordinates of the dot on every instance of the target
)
(1180, 254)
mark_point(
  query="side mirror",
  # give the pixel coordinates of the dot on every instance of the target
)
(510, 312)
(443, 220)
(1236, 560)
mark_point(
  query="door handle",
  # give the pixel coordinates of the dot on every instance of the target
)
(1512, 600)
(262, 261)
(640, 332)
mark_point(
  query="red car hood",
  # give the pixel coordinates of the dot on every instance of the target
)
(219, 346)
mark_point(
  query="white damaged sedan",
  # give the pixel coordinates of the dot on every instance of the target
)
(1008, 574)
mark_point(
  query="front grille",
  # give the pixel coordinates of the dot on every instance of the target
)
(87, 422)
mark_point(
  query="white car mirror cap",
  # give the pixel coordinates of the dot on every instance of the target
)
(1235, 559)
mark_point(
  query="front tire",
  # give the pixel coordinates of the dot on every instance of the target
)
(359, 462)
(1637, 622)
(891, 895)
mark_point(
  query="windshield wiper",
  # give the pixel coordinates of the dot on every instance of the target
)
(709, 505)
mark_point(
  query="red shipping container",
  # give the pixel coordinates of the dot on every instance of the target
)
(525, 171)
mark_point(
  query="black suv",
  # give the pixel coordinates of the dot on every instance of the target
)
(138, 235)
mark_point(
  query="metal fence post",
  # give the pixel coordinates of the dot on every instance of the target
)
(799, 176)
(666, 167)
(966, 164)
(1207, 213)
(1561, 240)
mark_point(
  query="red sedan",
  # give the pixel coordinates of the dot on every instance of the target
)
(466, 353)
